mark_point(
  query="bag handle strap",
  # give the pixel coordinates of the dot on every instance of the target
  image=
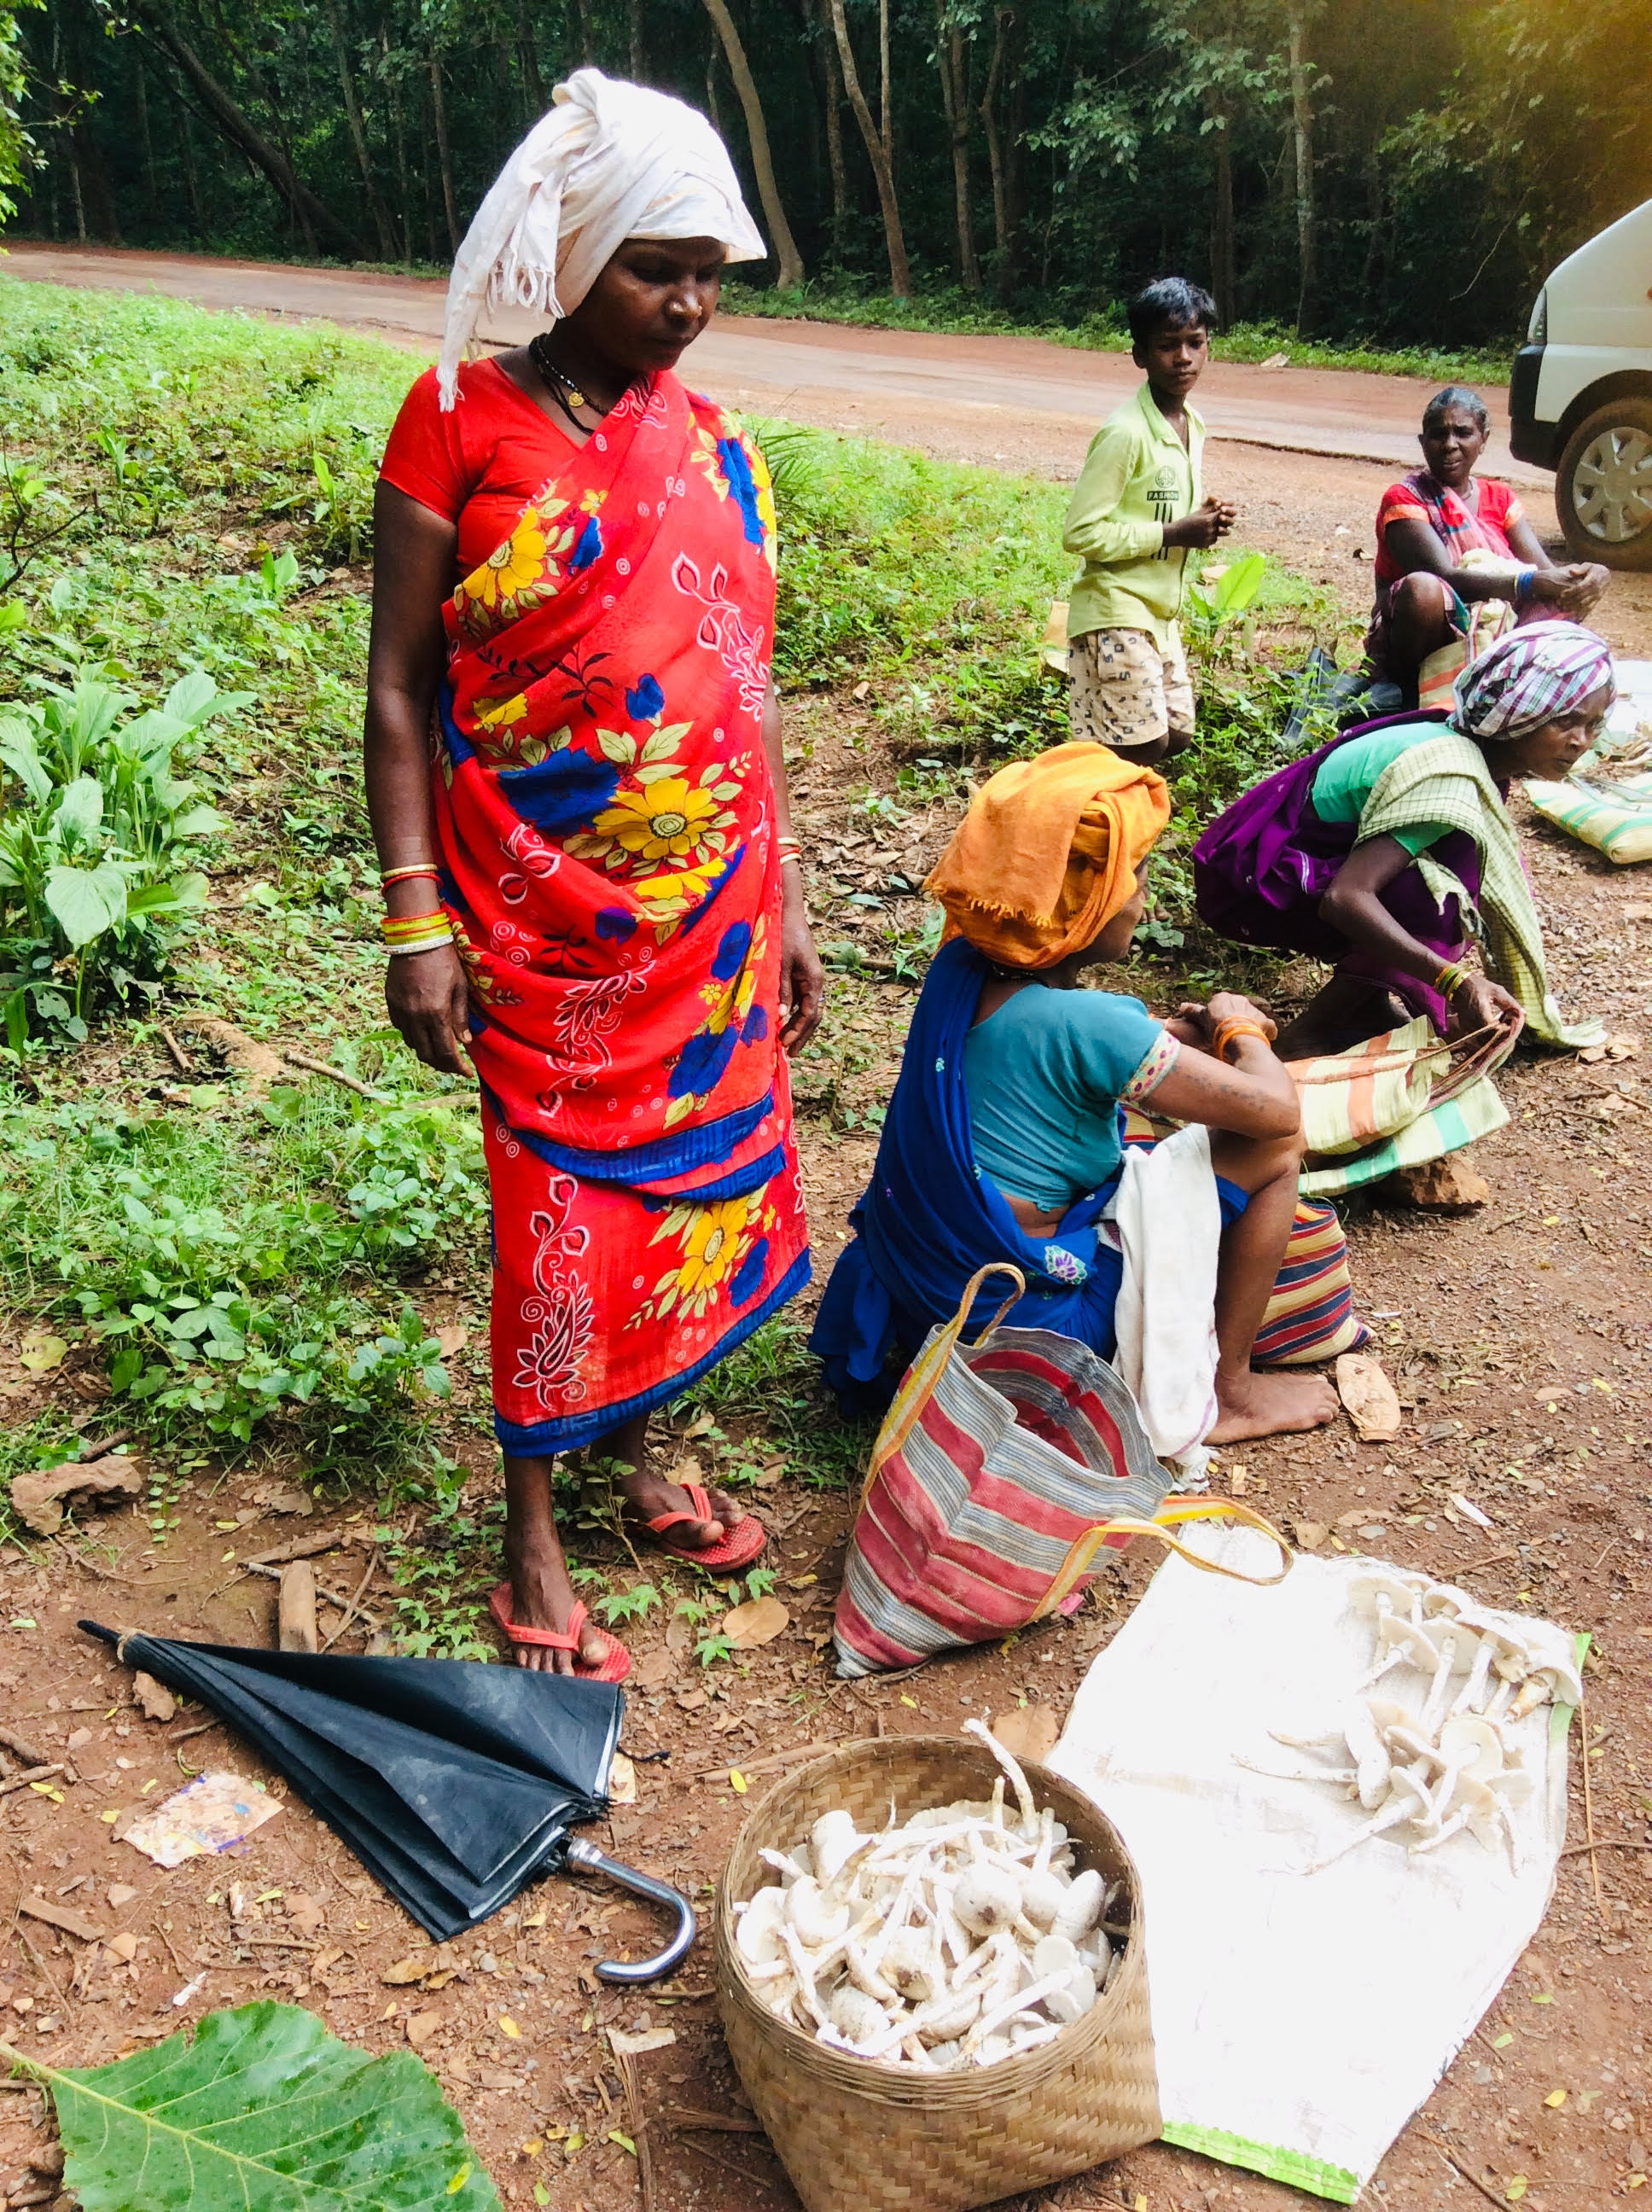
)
(972, 1288)
(927, 1370)
(1173, 1512)
(1391, 1063)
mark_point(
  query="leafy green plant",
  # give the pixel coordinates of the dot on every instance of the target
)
(94, 854)
(261, 2110)
(633, 1604)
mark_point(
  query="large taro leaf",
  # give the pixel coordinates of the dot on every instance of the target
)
(263, 2111)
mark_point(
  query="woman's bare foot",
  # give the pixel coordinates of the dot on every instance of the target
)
(1256, 1404)
(542, 1596)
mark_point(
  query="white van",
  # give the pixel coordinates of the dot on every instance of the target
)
(1580, 400)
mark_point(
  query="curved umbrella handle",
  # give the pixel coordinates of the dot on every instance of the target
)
(589, 1860)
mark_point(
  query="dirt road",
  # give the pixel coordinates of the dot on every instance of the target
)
(990, 392)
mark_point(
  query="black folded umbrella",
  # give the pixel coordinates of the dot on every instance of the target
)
(455, 1783)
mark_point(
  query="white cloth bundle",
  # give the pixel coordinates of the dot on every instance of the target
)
(610, 161)
(1169, 1220)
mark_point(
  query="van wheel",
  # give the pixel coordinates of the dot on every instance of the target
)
(1603, 488)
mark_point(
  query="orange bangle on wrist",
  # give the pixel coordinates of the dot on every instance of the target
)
(1226, 1032)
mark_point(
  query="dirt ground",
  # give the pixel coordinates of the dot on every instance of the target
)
(1518, 1337)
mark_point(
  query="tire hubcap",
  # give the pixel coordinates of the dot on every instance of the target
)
(1612, 485)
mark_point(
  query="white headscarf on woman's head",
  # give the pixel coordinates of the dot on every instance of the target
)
(610, 161)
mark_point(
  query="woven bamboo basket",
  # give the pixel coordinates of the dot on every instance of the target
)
(858, 2136)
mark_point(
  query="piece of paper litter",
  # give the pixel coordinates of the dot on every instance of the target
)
(208, 1814)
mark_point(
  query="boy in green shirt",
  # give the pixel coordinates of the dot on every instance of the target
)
(1136, 509)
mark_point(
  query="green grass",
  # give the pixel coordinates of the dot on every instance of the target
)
(950, 309)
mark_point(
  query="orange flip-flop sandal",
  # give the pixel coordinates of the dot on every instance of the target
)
(737, 1547)
(615, 1663)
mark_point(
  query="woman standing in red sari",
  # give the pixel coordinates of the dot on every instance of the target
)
(574, 773)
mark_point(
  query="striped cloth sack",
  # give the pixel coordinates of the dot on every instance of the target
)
(1000, 1471)
(1396, 1101)
(1310, 1315)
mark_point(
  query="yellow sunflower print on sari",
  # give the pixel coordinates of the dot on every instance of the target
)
(719, 1254)
(667, 834)
(517, 577)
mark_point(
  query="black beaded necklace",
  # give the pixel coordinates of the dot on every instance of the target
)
(555, 378)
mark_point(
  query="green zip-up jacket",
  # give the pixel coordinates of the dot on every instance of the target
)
(1136, 478)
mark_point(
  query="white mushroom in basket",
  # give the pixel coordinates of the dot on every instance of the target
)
(961, 1936)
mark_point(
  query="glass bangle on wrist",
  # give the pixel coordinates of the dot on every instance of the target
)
(1227, 1033)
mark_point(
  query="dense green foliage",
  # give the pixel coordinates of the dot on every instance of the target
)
(1410, 178)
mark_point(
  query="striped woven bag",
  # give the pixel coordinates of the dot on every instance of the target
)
(1001, 1470)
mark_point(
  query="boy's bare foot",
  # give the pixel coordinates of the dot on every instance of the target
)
(1256, 1404)
(542, 1596)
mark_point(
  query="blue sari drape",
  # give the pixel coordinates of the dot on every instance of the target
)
(929, 1219)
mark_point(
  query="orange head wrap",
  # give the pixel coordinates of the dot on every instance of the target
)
(1049, 853)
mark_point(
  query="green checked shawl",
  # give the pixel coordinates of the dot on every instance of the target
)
(1445, 780)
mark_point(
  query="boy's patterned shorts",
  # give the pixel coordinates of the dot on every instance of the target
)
(1128, 690)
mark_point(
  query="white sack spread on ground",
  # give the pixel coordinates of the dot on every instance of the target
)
(1299, 2019)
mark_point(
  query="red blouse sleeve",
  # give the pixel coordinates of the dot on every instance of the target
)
(425, 454)
(1500, 504)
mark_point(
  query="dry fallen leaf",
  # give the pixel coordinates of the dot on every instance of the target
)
(1370, 1397)
(38, 1496)
(452, 1338)
(625, 2045)
(155, 1701)
(621, 1781)
(1310, 1535)
(40, 1354)
(304, 1912)
(758, 1622)
(422, 2026)
(1027, 1731)
(120, 1893)
(420, 1967)
(679, 1636)
(654, 1669)
(124, 1946)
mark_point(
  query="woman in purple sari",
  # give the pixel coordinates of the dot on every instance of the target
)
(1378, 852)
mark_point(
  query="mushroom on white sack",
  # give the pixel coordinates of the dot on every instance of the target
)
(964, 1936)
(1426, 1773)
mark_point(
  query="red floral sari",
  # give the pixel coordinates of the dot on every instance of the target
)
(605, 822)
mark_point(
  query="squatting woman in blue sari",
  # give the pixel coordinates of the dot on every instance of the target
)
(1002, 1139)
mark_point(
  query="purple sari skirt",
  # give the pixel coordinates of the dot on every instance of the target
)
(1262, 867)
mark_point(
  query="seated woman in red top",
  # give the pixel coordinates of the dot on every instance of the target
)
(1454, 554)
(574, 772)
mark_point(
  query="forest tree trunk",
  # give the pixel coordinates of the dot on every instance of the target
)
(358, 135)
(151, 191)
(1301, 132)
(1224, 273)
(900, 276)
(886, 116)
(444, 153)
(951, 60)
(994, 144)
(638, 64)
(243, 134)
(528, 46)
(835, 137)
(780, 231)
